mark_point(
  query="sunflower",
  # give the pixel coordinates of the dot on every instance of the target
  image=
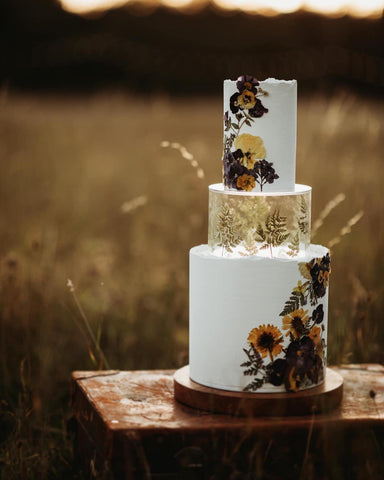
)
(245, 182)
(295, 321)
(252, 148)
(267, 340)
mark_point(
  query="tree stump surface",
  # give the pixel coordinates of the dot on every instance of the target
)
(130, 425)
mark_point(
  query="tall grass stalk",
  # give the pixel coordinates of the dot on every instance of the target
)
(102, 359)
(331, 205)
(185, 154)
(346, 229)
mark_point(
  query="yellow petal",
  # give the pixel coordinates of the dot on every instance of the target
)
(251, 144)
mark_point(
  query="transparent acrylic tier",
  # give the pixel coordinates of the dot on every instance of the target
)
(275, 224)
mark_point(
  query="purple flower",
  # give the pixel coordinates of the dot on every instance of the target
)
(316, 374)
(264, 172)
(258, 110)
(318, 314)
(247, 82)
(300, 360)
(233, 168)
(246, 97)
(301, 355)
(227, 121)
(320, 275)
(277, 371)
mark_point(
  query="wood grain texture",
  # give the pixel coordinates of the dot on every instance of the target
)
(323, 398)
(131, 424)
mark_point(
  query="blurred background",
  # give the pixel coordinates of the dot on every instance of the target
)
(111, 132)
(184, 46)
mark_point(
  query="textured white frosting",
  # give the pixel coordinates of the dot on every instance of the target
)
(228, 298)
(277, 128)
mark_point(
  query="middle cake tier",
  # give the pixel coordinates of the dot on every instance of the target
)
(270, 224)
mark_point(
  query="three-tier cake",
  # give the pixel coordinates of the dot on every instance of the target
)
(259, 289)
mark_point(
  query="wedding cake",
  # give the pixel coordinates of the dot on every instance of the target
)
(259, 288)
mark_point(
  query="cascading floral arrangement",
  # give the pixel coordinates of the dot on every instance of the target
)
(244, 163)
(303, 360)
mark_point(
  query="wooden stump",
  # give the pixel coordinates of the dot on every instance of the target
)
(129, 426)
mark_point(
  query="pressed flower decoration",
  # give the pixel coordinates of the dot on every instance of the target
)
(244, 154)
(303, 360)
(257, 224)
(266, 340)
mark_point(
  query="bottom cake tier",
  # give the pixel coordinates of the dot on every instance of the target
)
(258, 324)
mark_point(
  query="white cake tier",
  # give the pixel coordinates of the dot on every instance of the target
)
(260, 134)
(274, 224)
(258, 324)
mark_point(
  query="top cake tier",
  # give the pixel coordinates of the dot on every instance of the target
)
(259, 134)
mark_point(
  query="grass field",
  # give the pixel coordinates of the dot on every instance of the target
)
(88, 194)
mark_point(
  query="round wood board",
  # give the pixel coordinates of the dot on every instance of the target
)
(320, 399)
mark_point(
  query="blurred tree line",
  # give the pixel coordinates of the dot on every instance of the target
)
(45, 47)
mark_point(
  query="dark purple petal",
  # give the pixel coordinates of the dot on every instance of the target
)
(318, 314)
(301, 355)
(227, 121)
(277, 371)
(258, 110)
(264, 172)
(238, 154)
(247, 82)
(233, 168)
(233, 103)
(316, 373)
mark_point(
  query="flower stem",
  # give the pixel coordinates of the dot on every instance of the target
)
(89, 330)
(270, 354)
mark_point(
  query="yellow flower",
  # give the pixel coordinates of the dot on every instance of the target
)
(252, 148)
(323, 277)
(246, 182)
(300, 288)
(266, 339)
(315, 334)
(246, 99)
(294, 322)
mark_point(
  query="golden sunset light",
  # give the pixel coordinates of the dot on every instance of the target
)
(359, 8)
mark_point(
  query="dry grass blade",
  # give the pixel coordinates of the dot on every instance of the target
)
(102, 359)
(185, 154)
(326, 211)
(131, 205)
(346, 229)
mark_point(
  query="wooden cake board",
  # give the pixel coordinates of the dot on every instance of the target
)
(320, 399)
